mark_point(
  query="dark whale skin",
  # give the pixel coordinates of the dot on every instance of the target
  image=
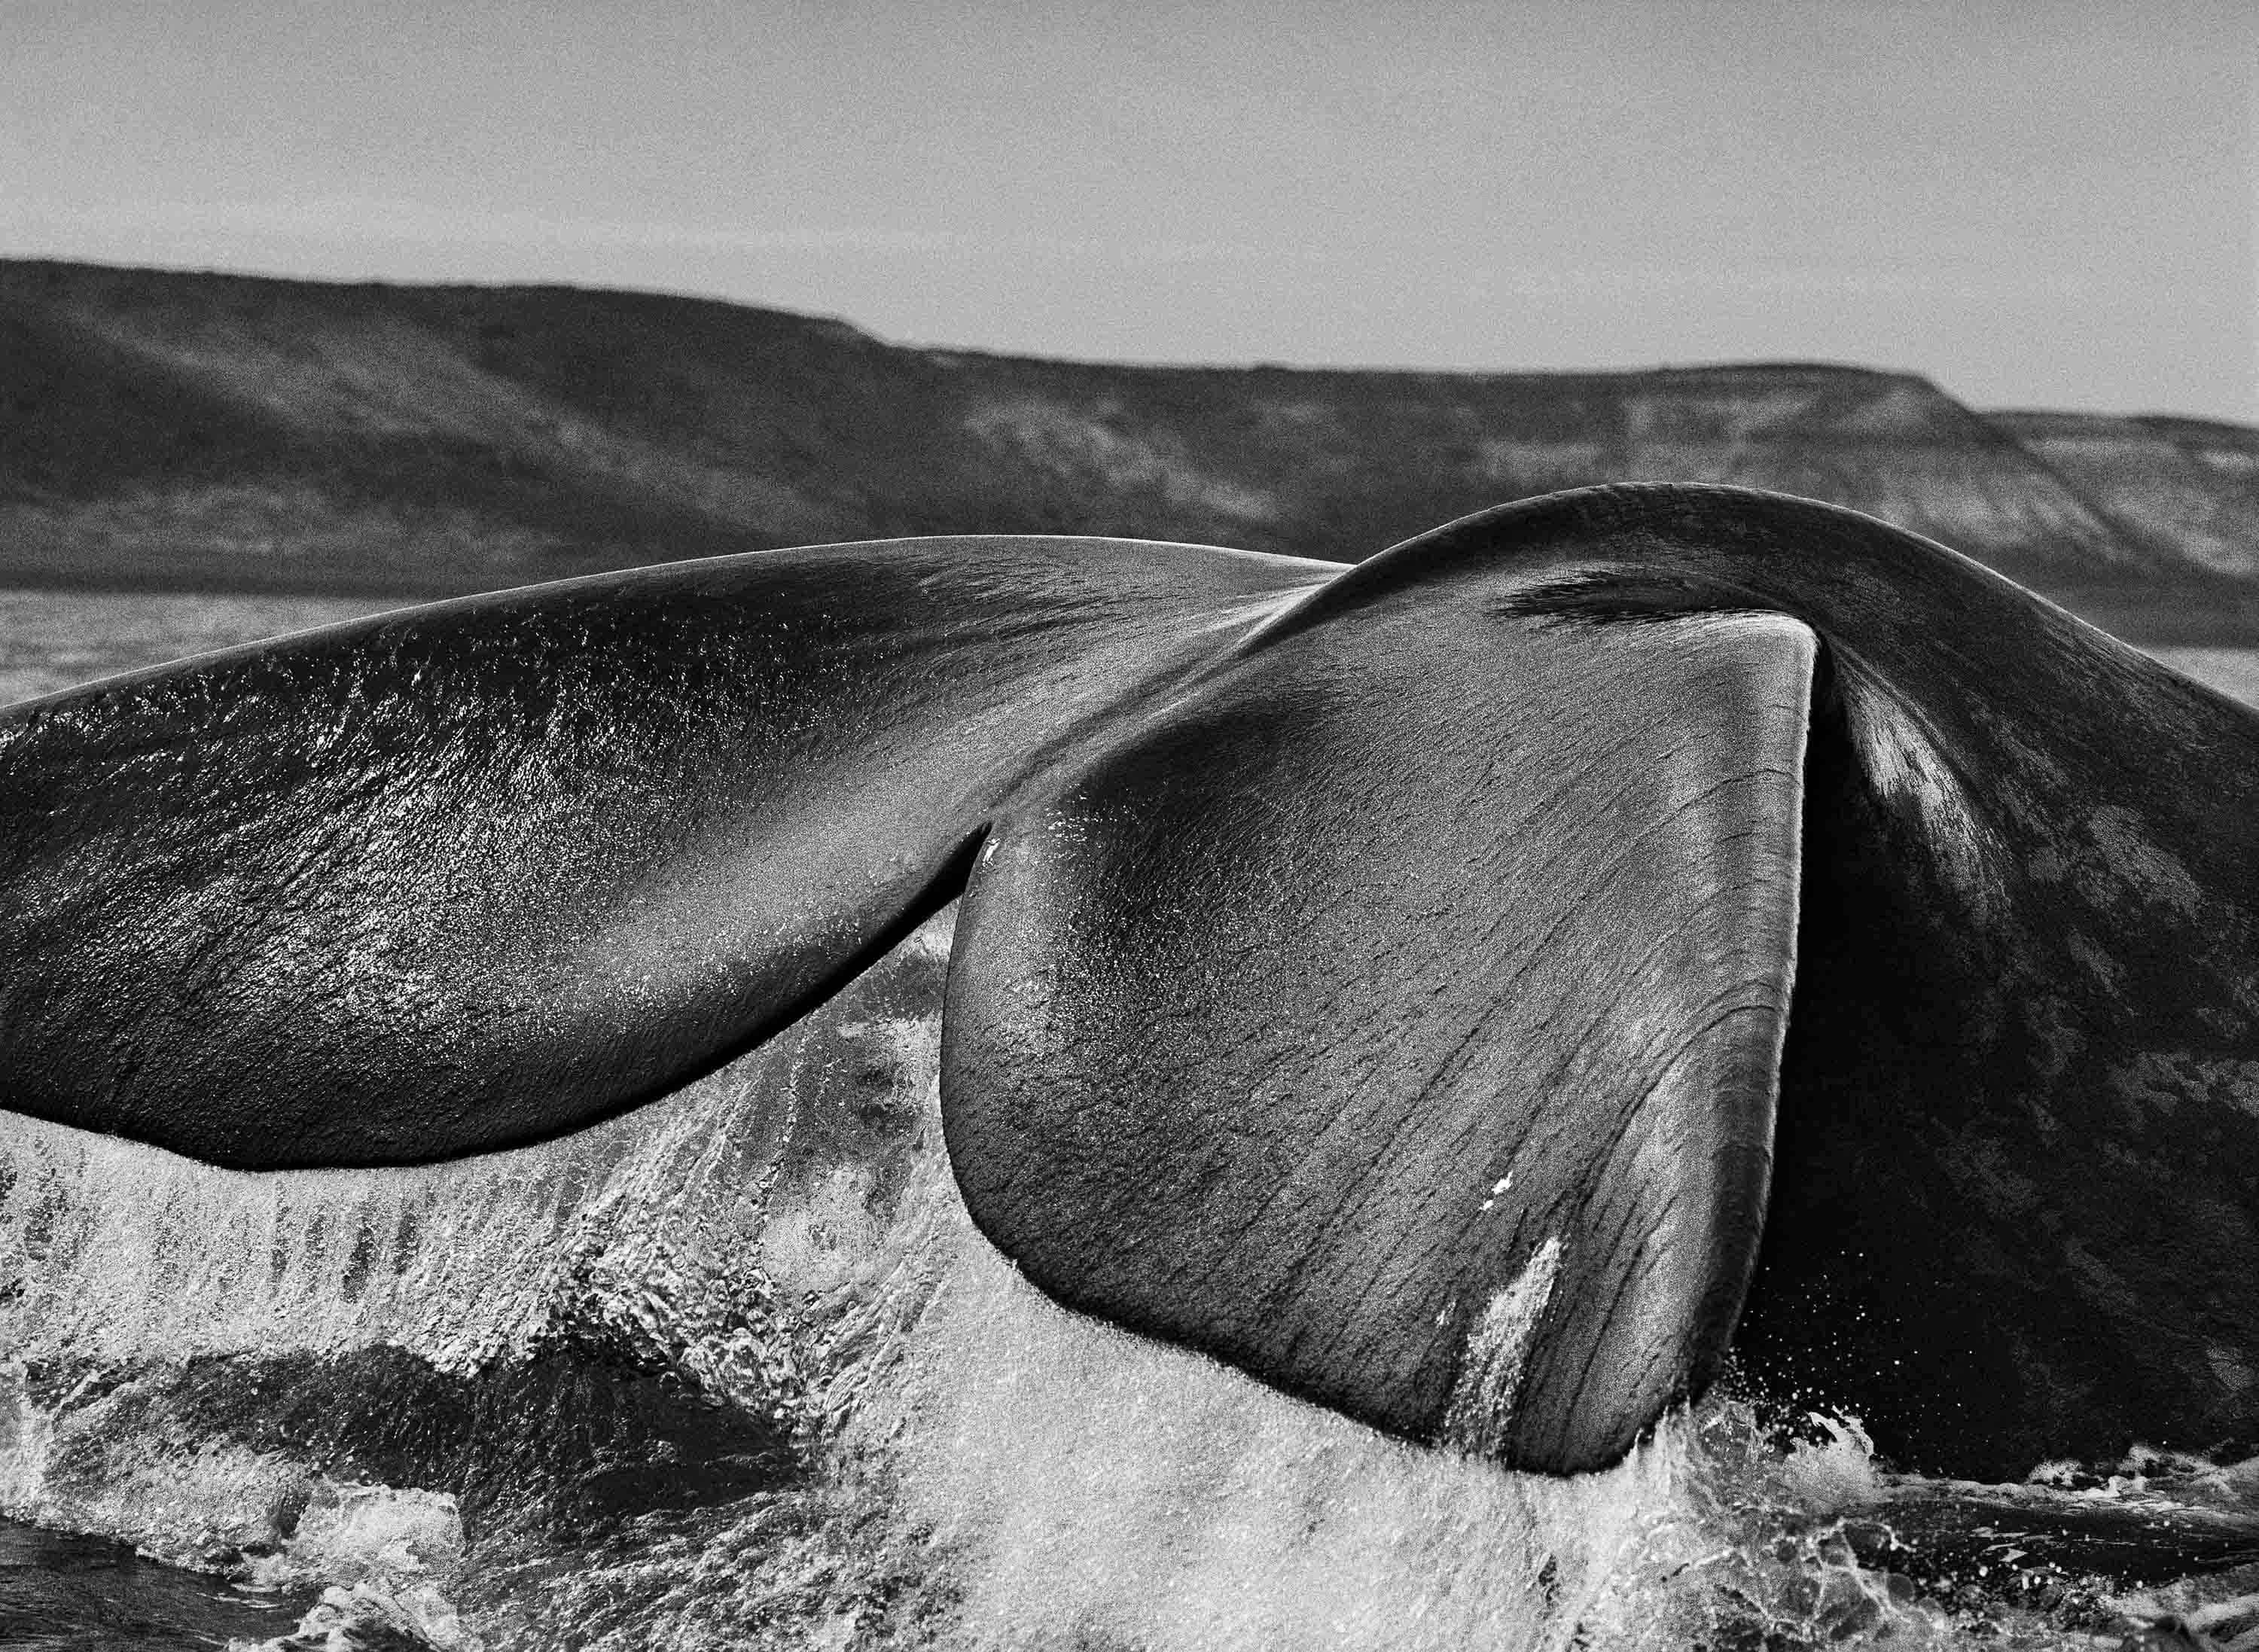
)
(2016, 1171)
(1449, 960)
(1476, 991)
(469, 875)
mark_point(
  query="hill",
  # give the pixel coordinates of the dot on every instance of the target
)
(203, 431)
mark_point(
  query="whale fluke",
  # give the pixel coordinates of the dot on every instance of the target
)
(469, 875)
(1400, 1016)
(1475, 990)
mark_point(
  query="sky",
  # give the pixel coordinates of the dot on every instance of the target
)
(2035, 203)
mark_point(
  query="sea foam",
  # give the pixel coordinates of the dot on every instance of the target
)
(737, 1369)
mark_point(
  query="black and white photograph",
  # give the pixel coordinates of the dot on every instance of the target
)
(1051, 826)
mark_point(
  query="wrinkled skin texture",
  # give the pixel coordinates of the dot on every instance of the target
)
(1345, 1185)
(1461, 990)
(477, 873)
(2016, 1175)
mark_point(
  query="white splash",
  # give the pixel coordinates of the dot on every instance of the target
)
(397, 1553)
(979, 1468)
(1497, 1352)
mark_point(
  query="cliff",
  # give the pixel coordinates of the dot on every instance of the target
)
(214, 431)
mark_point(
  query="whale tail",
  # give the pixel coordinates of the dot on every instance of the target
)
(1409, 985)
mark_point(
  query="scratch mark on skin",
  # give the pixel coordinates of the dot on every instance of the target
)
(2141, 866)
(1497, 1353)
(1908, 772)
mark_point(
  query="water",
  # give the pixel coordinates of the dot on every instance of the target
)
(736, 1370)
(51, 639)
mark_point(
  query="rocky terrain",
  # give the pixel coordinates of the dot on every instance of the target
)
(183, 430)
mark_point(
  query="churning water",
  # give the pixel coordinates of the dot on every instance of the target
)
(736, 1370)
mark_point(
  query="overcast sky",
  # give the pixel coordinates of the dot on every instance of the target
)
(2042, 202)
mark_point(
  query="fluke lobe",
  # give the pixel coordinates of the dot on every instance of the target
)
(1461, 990)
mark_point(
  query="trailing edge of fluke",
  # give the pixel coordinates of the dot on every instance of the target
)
(1474, 990)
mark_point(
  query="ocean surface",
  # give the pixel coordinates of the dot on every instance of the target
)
(735, 1370)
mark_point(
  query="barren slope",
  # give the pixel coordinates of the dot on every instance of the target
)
(219, 430)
